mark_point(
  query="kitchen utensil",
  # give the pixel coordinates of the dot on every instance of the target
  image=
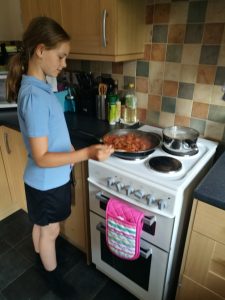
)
(102, 89)
(180, 140)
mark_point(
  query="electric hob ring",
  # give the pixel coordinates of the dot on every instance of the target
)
(165, 164)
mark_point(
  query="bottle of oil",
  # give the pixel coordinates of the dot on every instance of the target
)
(130, 111)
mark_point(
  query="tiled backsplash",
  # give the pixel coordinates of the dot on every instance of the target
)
(180, 79)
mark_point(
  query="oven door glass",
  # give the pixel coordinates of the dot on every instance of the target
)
(137, 270)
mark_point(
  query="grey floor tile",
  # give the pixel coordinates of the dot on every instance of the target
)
(4, 247)
(12, 265)
(29, 286)
(86, 280)
(113, 291)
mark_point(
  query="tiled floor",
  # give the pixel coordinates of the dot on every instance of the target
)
(20, 278)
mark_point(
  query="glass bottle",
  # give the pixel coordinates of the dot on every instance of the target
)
(130, 111)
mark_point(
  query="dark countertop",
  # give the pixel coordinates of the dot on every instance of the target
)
(84, 130)
(211, 189)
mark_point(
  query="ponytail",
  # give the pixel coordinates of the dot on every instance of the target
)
(17, 66)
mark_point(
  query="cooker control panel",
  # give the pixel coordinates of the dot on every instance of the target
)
(141, 192)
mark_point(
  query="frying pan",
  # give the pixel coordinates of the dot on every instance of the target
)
(153, 138)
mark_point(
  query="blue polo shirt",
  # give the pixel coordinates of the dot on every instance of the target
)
(40, 114)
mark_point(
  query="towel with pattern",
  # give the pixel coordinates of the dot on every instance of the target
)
(123, 229)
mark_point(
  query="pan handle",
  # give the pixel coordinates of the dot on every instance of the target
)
(90, 135)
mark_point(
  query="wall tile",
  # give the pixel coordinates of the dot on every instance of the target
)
(170, 88)
(213, 33)
(200, 110)
(196, 12)
(153, 118)
(160, 33)
(106, 67)
(214, 130)
(148, 33)
(186, 90)
(174, 53)
(154, 103)
(149, 14)
(217, 95)
(217, 114)
(142, 68)
(188, 73)
(209, 55)
(194, 33)
(176, 33)
(191, 54)
(199, 125)
(142, 100)
(161, 13)
(168, 104)
(183, 107)
(117, 68)
(155, 86)
(220, 76)
(202, 93)
(141, 114)
(221, 59)
(215, 11)
(172, 71)
(142, 85)
(206, 74)
(178, 13)
(158, 52)
(166, 119)
(129, 68)
(147, 53)
(182, 121)
(156, 70)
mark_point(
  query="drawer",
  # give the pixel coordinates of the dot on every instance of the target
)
(210, 221)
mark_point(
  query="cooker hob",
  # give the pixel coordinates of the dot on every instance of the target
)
(165, 164)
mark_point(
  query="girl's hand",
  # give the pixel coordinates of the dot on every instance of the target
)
(100, 152)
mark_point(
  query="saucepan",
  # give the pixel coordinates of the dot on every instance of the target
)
(180, 140)
(130, 144)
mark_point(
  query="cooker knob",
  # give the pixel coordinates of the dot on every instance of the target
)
(129, 190)
(119, 186)
(150, 199)
(110, 181)
(161, 204)
(139, 194)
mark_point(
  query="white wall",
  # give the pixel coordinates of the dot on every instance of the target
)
(10, 20)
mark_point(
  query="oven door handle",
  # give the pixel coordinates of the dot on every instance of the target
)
(148, 220)
(145, 253)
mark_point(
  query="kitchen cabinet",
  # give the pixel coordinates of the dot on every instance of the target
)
(103, 30)
(12, 162)
(35, 8)
(76, 228)
(202, 273)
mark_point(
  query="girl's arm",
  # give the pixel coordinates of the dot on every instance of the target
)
(45, 159)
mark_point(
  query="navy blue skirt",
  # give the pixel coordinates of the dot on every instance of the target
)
(50, 206)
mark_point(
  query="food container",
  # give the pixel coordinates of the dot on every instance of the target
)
(180, 140)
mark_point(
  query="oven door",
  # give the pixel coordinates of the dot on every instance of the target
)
(157, 229)
(143, 277)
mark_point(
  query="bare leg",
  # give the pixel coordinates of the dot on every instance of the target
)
(36, 237)
(48, 235)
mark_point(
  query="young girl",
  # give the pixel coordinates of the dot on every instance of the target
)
(51, 156)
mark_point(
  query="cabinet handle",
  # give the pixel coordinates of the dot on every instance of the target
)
(6, 140)
(104, 15)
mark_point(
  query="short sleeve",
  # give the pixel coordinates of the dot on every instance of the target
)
(35, 112)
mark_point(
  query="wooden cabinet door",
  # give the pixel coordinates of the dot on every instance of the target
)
(14, 156)
(6, 199)
(75, 227)
(109, 30)
(35, 8)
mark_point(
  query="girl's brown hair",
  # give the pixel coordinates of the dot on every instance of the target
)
(41, 30)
